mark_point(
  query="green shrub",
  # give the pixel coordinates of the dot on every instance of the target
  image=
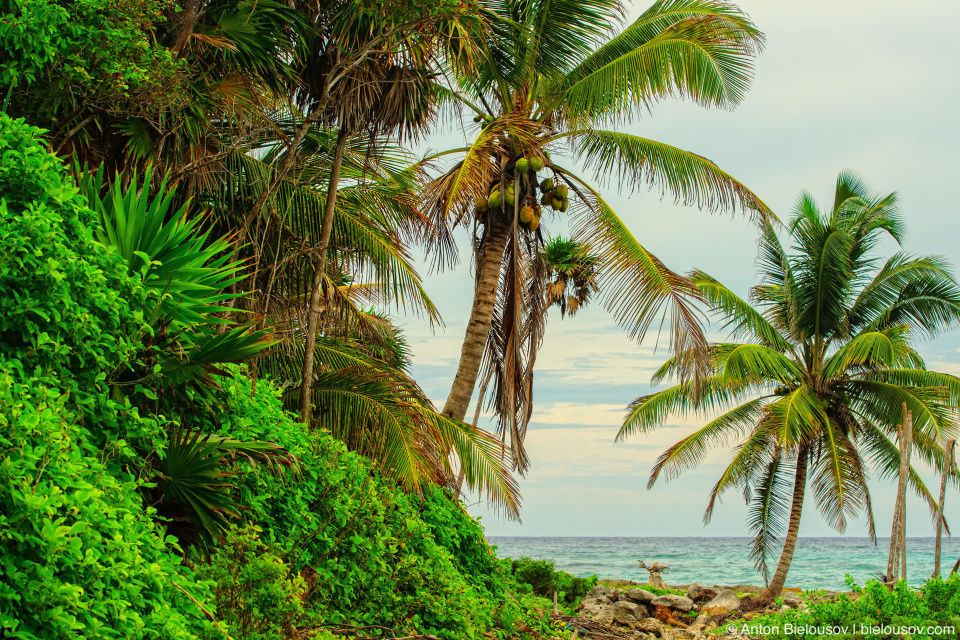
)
(876, 615)
(256, 592)
(79, 555)
(540, 577)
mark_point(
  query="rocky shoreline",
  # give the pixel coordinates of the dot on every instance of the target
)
(625, 609)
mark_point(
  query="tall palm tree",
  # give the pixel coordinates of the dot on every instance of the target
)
(814, 390)
(555, 72)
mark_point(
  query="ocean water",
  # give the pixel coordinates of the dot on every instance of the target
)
(818, 563)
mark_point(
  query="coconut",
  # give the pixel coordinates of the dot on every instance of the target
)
(545, 200)
(488, 118)
(534, 223)
(523, 165)
(536, 164)
(510, 197)
(546, 185)
(564, 205)
(480, 205)
(477, 118)
(556, 203)
(493, 202)
(562, 190)
(526, 214)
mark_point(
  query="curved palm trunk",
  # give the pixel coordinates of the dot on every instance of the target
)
(478, 327)
(316, 288)
(772, 592)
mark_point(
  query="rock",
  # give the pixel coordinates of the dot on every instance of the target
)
(651, 625)
(792, 601)
(677, 603)
(725, 602)
(640, 596)
(700, 594)
(600, 592)
(626, 611)
(589, 607)
(700, 623)
(605, 615)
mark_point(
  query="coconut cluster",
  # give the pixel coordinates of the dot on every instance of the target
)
(524, 172)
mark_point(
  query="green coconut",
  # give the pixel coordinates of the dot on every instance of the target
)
(488, 118)
(480, 205)
(493, 202)
(523, 165)
(510, 198)
(545, 200)
(546, 185)
(536, 164)
(562, 190)
(556, 203)
(564, 205)
(527, 214)
(477, 118)
(534, 223)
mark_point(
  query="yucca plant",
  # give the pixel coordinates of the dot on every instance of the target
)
(186, 273)
(193, 479)
(559, 78)
(814, 389)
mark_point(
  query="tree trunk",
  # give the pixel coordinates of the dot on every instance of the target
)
(948, 450)
(478, 327)
(898, 532)
(772, 592)
(316, 288)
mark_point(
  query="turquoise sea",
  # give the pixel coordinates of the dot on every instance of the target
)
(819, 563)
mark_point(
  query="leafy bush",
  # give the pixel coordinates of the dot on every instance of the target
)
(542, 579)
(256, 592)
(79, 555)
(875, 615)
(371, 559)
(99, 52)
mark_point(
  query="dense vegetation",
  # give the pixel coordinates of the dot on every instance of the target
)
(208, 424)
(327, 541)
(874, 612)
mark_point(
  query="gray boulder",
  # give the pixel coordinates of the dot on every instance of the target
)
(605, 615)
(652, 625)
(625, 611)
(602, 594)
(677, 603)
(640, 596)
(590, 607)
(725, 602)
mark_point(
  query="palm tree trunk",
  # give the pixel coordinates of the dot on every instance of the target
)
(772, 592)
(316, 288)
(898, 535)
(478, 327)
(947, 471)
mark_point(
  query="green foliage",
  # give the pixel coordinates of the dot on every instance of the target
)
(540, 578)
(256, 592)
(80, 556)
(46, 248)
(100, 52)
(937, 604)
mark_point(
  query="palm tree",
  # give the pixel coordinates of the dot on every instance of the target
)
(814, 389)
(554, 72)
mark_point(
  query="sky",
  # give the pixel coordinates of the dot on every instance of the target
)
(858, 84)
